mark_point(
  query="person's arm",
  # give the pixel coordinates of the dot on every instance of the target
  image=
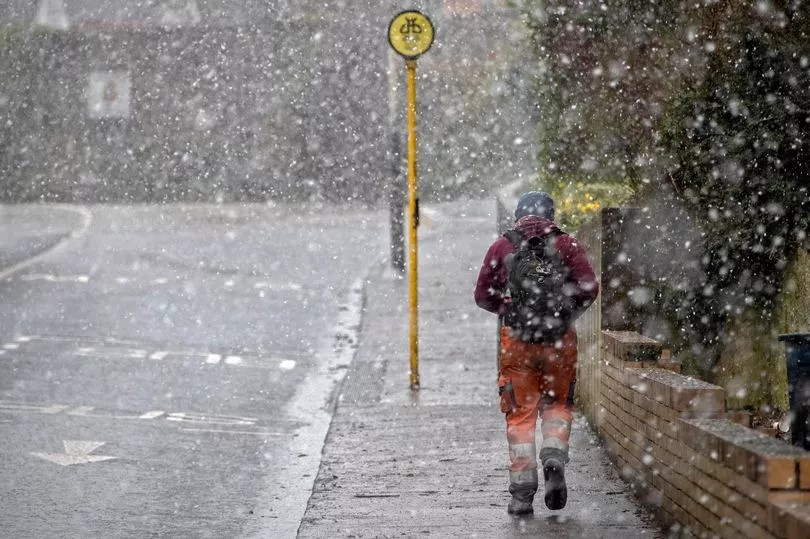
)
(491, 285)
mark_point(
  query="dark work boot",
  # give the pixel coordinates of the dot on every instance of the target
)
(519, 507)
(522, 487)
(556, 491)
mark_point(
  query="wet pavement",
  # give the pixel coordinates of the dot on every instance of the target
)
(399, 463)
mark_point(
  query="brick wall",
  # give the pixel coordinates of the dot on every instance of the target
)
(703, 472)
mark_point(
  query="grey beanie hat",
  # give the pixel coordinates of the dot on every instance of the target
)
(535, 203)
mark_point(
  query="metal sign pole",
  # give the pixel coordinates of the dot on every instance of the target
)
(410, 34)
(413, 217)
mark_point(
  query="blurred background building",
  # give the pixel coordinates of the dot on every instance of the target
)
(160, 100)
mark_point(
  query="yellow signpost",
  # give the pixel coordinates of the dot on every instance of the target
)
(411, 35)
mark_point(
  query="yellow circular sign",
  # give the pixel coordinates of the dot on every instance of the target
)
(410, 34)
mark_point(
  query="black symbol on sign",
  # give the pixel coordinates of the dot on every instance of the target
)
(410, 26)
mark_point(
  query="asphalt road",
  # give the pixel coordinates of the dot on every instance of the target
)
(167, 370)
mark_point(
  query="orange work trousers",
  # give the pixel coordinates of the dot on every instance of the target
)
(534, 379)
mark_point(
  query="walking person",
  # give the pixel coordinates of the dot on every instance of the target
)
(538, 280)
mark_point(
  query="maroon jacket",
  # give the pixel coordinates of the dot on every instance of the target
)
(491, 288)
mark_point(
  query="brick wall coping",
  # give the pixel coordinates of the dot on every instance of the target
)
(675, 380)
(630, 337)
(681, 393)
(770, 462)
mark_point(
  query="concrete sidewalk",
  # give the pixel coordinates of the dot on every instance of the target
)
(434, 462)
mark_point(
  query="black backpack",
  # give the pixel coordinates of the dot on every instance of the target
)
(539, 311)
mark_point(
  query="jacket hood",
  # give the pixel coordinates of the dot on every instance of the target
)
(534, 226)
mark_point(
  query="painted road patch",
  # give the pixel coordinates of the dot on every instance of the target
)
(76, 452)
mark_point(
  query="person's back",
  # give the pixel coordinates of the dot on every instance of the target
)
(538, 343)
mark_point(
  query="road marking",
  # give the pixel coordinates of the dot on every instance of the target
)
(287, 365)
(161, 280)
(81, 410)
(277, 286)
(111, 352)
(118, 349)
(87, 220)
(223, 431)
(55, 278)
(213, 359)
(76, 452)
(41, 408)
(74, 455)
(56, 338)
(211, 419)
(55, 409)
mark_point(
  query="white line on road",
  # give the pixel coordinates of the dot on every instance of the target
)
(58, 338)
(41, 408)
(277, 286)
(213, 359)
(55, 409)
(81, 410)
(87, 219)
(223, 431)
(117, 349)
(73, 453)
(233, 360)
(55, 278)
(287, 365)
(192, 418)
(211, 419)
